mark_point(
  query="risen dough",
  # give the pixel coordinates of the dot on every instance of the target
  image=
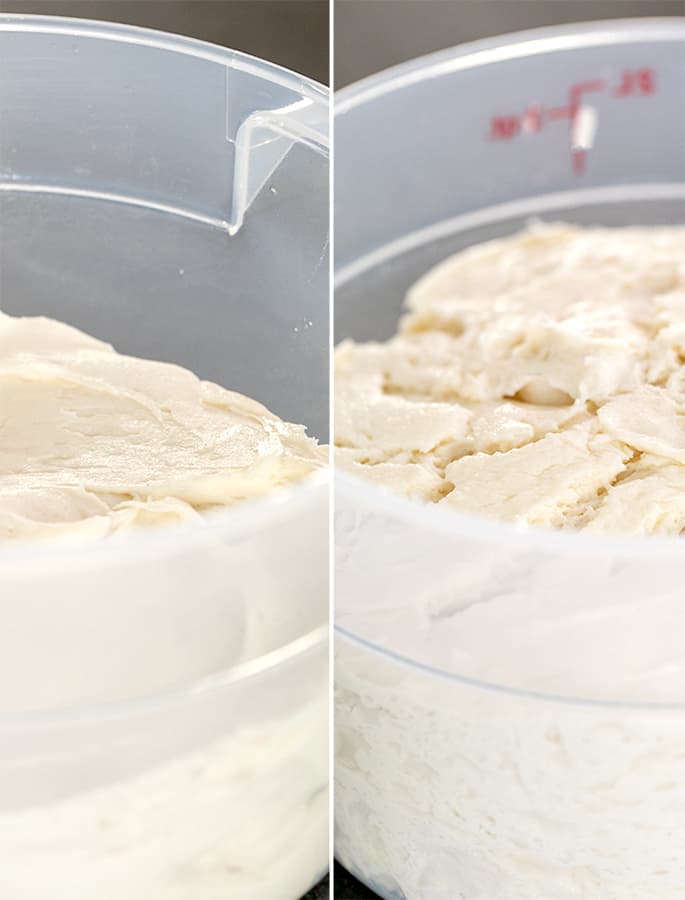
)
(92, 442)
(537, 378)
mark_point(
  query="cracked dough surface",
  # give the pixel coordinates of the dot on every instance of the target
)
(93, 442)
(539, 378)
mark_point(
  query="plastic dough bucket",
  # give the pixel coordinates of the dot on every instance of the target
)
(163, 699)
(448, 788)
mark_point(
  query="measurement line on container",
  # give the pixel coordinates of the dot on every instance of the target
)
(582, 117)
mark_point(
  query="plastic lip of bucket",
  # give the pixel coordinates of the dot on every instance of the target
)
(262, 138)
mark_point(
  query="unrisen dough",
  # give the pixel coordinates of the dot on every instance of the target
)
(538, 379)
(93, 442)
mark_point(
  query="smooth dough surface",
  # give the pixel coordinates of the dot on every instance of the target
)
(539, 379)
(93, 442)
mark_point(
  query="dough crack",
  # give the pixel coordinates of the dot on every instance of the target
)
(539, 378)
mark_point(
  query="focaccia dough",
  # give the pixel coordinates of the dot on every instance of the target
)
(537, 379)
(93, 442)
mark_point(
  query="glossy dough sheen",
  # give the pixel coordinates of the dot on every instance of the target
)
(94, 442)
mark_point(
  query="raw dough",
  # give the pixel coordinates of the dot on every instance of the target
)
(538, 379)
(93, 442)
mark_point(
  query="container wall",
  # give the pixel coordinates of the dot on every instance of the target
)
(109, 625)
(466, 131)
(118, 159)
(136, 760)
(218, 794)
(446, 791)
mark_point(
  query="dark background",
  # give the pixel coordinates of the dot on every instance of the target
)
(348, 888)
(371, 35)
(293, 33)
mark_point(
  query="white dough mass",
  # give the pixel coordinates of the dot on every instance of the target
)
(94, 442)
(537, 379)
(136, 760)
(510, 714)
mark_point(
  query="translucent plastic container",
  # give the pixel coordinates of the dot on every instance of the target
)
(163, 698)
(564, 777)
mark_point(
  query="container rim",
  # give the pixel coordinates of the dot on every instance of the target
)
(287, 122)
(453, 523)
(245, 516)
(515, 45)
(162, 40)
(40, 720)
(503, 690)
(241, 520)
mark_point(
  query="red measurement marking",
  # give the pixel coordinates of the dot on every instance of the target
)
(635, 82)
(559, 112)
(584, 87)
(578, 158)
(503, 128)
(533, 119)
(575, 93)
